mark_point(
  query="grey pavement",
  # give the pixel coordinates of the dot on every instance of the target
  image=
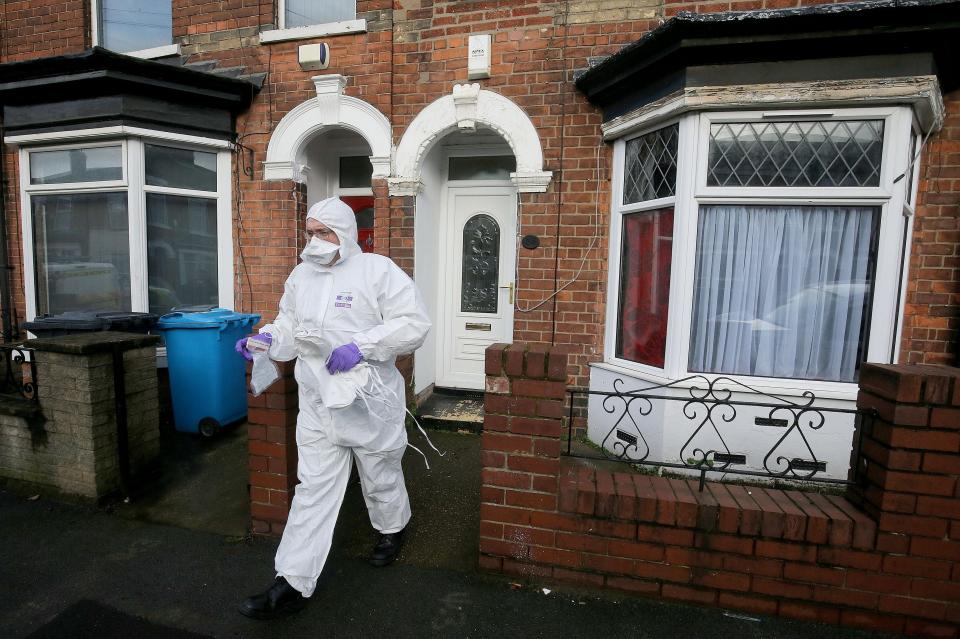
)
(163, 566)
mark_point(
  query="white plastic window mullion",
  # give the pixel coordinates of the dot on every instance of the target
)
(137, 216)
(95, 26)
(613, 261)
(26, 225)
(692, 150)
(889, 281)
(224, 231)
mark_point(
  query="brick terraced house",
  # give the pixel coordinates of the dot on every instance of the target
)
(764, 190)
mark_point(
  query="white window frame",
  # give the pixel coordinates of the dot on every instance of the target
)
(692, 192)
(136, 189)
(282, 33)
(153, 52)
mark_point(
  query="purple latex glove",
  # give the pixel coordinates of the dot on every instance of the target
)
(247, 345)
(241, 347)
(343, 358)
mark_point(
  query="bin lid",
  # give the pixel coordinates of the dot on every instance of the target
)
(214, 318)
(127, 315)
(72, 320)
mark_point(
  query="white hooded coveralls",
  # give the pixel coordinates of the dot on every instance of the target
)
(366, 299)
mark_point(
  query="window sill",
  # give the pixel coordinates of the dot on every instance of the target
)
(156, 52)
(314, 31)
(838, 391)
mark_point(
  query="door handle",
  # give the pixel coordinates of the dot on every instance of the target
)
(509, 286)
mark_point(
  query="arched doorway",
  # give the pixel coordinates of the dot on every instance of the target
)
(335, 144)
(466, 157)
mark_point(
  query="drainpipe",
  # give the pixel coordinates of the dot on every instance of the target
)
(6, 299)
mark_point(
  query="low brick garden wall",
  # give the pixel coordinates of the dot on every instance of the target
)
(886, 556)
(66, 443)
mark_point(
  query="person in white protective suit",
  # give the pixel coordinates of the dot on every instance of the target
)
(345, 315)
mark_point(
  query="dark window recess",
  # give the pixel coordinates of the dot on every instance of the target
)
(482, 167)
(356, 172)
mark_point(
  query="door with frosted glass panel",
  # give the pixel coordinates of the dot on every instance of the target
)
(477, 263)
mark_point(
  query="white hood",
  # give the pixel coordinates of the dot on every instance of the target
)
(337, 216)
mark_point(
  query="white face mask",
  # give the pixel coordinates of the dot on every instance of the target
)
(320, 252)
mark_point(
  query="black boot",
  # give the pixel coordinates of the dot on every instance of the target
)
(280, 599)
(387, 548)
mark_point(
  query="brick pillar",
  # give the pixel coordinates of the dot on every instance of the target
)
(272, 434)
(523, 429)
(910, 467)
(74, 448)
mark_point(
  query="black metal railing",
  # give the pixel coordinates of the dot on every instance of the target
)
(710, 410)
(19, 372)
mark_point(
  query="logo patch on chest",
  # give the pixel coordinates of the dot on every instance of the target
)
(344, 300)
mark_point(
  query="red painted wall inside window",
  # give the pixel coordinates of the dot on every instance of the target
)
(645, 286)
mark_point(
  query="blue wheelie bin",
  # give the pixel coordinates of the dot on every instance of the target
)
(207, 377)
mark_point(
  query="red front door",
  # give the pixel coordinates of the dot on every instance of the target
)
(362, 206)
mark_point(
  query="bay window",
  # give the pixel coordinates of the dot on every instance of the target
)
(763, 245)
(129, 225)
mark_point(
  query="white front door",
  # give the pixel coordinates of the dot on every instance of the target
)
(477, 264)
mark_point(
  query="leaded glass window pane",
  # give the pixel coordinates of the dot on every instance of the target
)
(481, 265)
(803, 154)
(650, 170)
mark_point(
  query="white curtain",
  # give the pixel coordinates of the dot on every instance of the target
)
(781, 291)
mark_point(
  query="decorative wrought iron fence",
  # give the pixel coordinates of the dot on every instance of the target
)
(710, 413)
(19, 375)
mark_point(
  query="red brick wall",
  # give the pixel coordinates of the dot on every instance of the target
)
(191, 18)
(931, 317)
(11, 207)
(272, 445)
(894, 566)
(40, 28)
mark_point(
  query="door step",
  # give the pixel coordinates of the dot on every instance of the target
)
(452, 410)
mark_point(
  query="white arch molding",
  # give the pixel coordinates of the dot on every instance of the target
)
(463, 109)
(330, 109)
